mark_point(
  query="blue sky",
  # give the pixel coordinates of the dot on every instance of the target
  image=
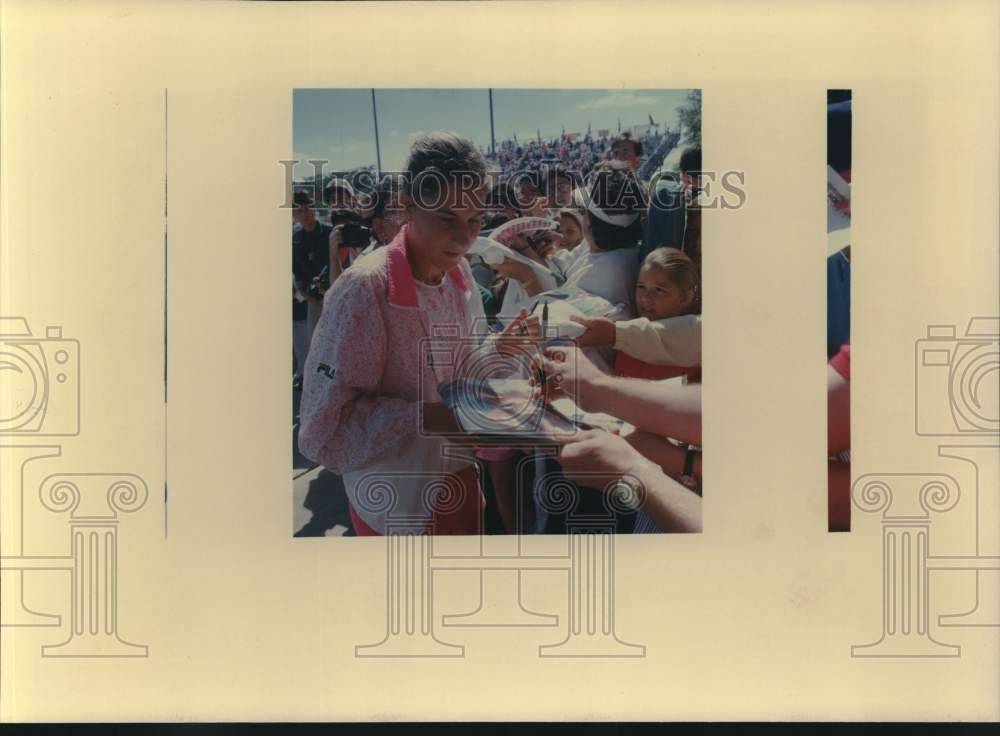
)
(336, 124)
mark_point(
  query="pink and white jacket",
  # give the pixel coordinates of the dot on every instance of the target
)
(364, 379)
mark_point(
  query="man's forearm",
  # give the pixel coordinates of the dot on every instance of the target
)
(665, 410)
(668, 456)
(673, 507)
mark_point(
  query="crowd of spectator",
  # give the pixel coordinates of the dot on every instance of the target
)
(382, 268)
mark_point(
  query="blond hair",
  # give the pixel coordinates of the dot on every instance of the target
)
(680, 269)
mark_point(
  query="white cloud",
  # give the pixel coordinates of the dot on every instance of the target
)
(618, 99)
(349, 147)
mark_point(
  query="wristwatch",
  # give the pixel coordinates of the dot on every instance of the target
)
(633, 495)
(636, 480)
(687, 475)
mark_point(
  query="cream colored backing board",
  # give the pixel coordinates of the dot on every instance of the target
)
(206, 608)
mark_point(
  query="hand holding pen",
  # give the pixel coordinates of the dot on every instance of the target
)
(519, 336)
(541, 373)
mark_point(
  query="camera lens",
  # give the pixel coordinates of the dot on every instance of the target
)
(25, 389)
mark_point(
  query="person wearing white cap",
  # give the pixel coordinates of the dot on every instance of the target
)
(607, 261)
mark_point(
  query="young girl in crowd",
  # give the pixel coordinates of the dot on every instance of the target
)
(667, 287)
(571, 228)
(371, 411)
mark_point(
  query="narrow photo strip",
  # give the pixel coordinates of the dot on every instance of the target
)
(838, 307)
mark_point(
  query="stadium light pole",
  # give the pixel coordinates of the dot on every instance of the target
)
(493, 138)
(378, 149)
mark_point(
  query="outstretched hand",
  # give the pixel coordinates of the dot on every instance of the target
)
(568, 372)
(597, 458)
(598, 332)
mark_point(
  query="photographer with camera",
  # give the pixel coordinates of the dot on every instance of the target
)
(349, 236)
(356, 234)
(310, 260)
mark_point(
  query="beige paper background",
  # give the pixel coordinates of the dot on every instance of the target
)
(754, 618)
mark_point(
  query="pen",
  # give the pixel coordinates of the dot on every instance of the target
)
(545, 328)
